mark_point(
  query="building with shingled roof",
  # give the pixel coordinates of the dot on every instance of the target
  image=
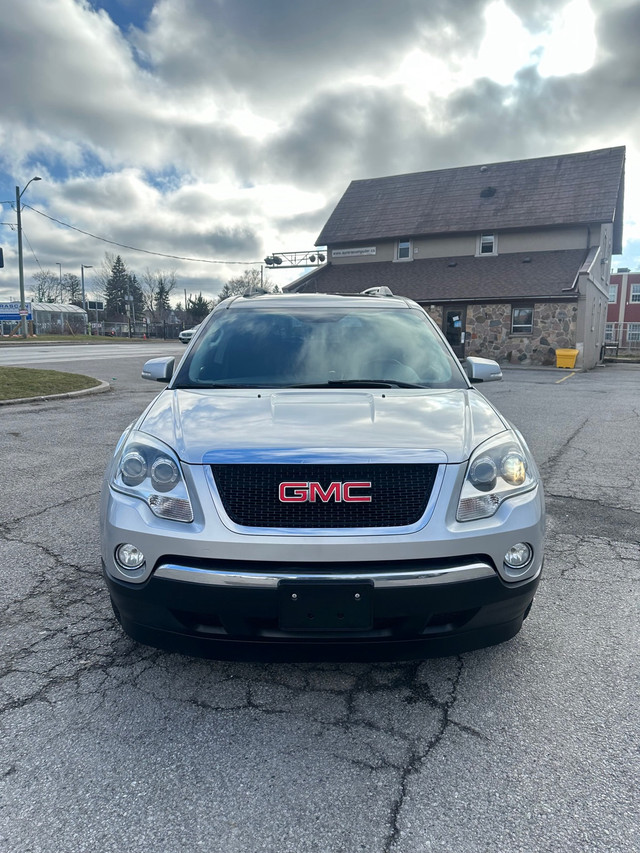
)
(511, 259)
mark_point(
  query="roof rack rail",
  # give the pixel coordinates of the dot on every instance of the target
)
(255, 291)
(377, 291)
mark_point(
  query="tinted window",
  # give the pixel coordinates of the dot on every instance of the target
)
(270, 348)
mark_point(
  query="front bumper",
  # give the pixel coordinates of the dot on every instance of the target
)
(417, 612)
(207, 589)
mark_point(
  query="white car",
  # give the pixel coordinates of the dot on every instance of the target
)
(186, 335)
(320, 479)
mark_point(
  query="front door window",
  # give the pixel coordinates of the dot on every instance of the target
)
(453, 326)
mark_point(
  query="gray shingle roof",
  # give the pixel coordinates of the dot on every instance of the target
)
(503, 277)
(567, 189)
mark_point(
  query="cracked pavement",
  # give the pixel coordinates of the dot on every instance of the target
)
(530, 745)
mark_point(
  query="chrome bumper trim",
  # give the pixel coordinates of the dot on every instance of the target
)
(270, 580)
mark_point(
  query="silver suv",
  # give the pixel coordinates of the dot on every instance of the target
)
(320, 479)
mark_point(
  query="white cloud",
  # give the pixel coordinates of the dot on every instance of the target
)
(225, 131)
(570, 47)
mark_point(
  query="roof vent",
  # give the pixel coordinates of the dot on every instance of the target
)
(452, 264)
(526, 260)
(488, 192)
(484, 168)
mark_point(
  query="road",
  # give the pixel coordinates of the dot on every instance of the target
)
(527, 746)
(62, 357)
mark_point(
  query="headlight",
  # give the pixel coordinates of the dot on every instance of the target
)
(148, 469)
(498, 469)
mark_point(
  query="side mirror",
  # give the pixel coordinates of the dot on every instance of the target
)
(159, 369)
(482, 369)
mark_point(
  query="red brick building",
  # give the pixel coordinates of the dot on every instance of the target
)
(623, 312)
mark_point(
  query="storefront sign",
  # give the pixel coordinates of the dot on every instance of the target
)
(352, 253)
(11, 311)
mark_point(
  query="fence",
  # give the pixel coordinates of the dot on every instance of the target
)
(142, 329)
(624, 337)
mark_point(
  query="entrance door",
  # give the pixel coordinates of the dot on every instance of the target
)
(454, 323)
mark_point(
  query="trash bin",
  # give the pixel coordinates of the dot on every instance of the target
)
(566, 357)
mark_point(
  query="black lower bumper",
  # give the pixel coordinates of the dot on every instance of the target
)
(230, 623)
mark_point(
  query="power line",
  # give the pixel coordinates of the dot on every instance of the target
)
(32, 252)
(135, 248)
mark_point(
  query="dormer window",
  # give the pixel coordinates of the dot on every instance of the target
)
(487, 244)
(403, 250)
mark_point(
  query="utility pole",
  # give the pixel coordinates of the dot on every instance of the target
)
(84, 267)
(23, 306)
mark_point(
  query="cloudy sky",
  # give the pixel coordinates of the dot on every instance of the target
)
(224, 130)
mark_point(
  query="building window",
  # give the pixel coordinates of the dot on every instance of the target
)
(613, 292)
(635, 293)
(487, 245)
(521, 321)
(609, 332)
(403, 250)
(633, 331)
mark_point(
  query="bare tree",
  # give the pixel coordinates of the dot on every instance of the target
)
(71, 287)
(251, 279)
(46, 287)
(157, 287)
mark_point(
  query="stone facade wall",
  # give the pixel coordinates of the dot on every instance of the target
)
(435, 312)
(489, 332)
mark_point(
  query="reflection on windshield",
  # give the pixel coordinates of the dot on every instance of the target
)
(312, 347)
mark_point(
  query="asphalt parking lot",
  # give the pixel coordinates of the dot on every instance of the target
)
(527, 746)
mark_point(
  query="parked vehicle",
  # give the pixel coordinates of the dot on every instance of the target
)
(186, 335)
(321, 479)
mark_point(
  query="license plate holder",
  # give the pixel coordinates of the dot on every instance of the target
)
(325, 606)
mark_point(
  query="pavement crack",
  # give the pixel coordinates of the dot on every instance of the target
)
(551, 463)
(9, 523)
(418, 757)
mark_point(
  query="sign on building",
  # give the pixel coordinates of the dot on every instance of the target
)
(352, 253)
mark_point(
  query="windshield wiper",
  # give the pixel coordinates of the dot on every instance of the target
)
(205, 386)
(360, 383)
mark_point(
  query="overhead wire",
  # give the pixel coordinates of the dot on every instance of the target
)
(31, 249)
(136, 248)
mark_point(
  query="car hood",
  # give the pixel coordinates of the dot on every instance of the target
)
(205, 425)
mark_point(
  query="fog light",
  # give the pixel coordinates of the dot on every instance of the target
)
(518, 556)
(129, 557)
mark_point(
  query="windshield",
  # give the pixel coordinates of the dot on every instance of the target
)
(320, 348)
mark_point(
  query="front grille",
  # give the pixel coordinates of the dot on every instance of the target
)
(251, 497)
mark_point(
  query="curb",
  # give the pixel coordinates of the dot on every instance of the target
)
(96, 389)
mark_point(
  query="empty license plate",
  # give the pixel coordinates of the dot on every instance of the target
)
(325, 606)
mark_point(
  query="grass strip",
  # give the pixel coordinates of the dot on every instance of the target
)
(19, 382)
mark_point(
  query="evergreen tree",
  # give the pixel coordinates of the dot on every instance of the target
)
(117, 290)
(198, 308)
(135, 297)
(163, 306)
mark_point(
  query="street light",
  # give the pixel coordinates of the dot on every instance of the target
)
(84, 267)
(23, 307)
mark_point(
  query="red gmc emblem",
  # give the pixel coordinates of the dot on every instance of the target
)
(339, 492)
